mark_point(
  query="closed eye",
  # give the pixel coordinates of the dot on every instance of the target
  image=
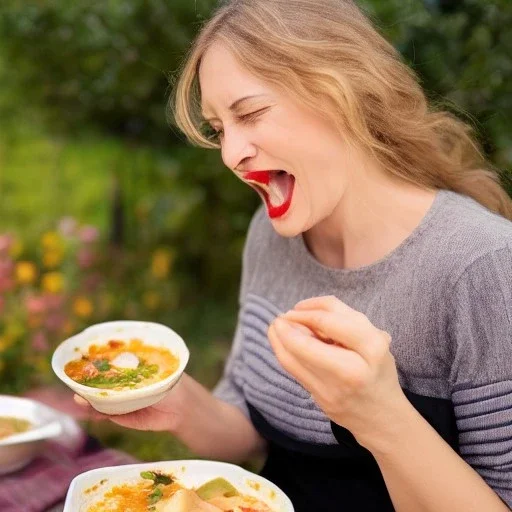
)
(246, 118)
(215, 134)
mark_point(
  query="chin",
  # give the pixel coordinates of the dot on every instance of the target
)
(285, 230)
(288, 226)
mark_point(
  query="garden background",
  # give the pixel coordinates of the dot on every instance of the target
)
(106, 213)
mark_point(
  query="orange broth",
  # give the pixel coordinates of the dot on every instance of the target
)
(131, 498)
(94, 368)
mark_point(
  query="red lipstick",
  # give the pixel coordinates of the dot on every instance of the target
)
(274, 187)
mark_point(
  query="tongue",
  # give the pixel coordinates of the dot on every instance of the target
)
(279, 188)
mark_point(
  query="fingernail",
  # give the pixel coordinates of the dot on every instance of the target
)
(290, 328)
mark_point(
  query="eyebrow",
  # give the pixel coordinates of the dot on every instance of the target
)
(236, 104)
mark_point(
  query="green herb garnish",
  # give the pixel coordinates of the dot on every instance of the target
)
(155, 496)
(102, 365)
(163, 479)
(158, 478)
(124, 377)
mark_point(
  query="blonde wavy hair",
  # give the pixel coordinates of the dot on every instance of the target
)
(330, 56)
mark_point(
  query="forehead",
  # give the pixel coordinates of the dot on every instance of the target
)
(223, 79)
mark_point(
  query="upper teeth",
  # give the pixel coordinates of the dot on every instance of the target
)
(272, 189)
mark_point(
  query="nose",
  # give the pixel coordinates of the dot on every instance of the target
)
(236, 147)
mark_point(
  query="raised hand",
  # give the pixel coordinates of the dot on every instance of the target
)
(344, 361)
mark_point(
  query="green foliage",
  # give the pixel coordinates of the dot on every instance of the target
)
(104, 62)
(462, 53)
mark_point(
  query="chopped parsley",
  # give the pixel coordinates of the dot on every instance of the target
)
(120, 377)
(159, 479)
(101, 365)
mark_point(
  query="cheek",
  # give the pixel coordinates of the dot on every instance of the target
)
(319, 191)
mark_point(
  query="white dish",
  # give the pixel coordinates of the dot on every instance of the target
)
(191, 473)
(111, 401)
(18, 450)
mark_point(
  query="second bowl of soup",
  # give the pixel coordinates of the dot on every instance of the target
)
(24, 426)
(120, 367)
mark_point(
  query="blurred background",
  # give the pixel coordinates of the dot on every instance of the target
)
(106, 213)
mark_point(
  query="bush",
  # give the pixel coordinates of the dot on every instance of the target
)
(461, 52)
(103, 62)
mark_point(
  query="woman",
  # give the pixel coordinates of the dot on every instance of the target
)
(372, 355)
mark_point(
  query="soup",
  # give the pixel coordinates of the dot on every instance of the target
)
(10, 425)
(120, 365)
(160, 492)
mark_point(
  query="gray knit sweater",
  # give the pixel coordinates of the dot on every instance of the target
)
(444, 295)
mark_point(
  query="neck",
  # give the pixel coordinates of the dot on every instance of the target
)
(372, 219)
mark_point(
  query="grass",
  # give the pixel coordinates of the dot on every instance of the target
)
(44, 178)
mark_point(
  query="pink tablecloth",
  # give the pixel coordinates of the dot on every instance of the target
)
(45, 481)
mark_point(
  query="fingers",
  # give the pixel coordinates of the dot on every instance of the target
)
(296, 367)
(327, 303)
(331, 319)
(297, 350)
(283, 355)
(347, 330)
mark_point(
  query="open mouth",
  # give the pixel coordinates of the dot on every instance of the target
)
(275, 187)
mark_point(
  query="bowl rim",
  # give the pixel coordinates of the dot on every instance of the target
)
(104, 472)
(52, 428)
(132, 393)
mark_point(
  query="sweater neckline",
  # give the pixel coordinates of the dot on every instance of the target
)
(300, 248)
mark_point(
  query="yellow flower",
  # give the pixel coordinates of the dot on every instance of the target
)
(26, 272)
(82, 307)
(151, 300)
(53, 257)
(52, 282)
(51, 240)
(161, 263)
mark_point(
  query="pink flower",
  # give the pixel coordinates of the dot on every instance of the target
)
(88, 234)
(54, 301)
(86, 258)
(39, 342)
(35, 305)
(6, 284)
(67, 226)
(5, 243)
(6, 267)
(55, 321)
